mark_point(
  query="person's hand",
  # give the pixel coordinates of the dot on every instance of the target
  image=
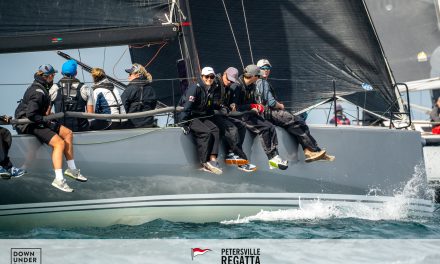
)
(233, 107)
(259, 108)
(280, 106)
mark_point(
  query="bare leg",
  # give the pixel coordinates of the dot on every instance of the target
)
(57, 143)
(67, 135)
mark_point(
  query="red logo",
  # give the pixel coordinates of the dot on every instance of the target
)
(198, 251)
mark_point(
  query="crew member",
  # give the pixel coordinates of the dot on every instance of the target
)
(199, 120)
(435, 117)
(69, 94)
(34, 106)
(341, 119)
(244, 97)
(295, 125)
(7, 170)
(139, 96)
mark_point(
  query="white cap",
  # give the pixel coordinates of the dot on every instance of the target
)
(207, 71)
(263, 62)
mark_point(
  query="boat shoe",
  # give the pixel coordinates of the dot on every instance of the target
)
(212, 166)
(278, 163)
(75, 174)
(312, 156)
(62, 185)
(232, 159)
(327, 157)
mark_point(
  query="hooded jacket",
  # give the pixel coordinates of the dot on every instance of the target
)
(35, 103)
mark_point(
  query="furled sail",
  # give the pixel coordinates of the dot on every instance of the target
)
(49, 25)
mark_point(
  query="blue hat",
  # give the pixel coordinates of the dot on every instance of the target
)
(47, 69)
(69, 68)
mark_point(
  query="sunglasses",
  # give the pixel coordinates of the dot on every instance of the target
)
(266, 68)
(209, 77)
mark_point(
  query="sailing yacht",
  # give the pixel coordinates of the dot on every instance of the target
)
(321, 50)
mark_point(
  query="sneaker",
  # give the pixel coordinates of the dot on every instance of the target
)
(62, 185)
(232, 159)
(312, 156)
(247, 167)
(4, 173)
(278, 163)
(16, 172)
(75, 174)
(213, 167)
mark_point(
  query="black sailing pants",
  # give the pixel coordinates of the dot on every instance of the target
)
(5, 145)
(296, 126)
(207, 137)
(266, 131)
(234, 131)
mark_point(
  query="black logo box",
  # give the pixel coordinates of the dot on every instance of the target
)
(24, 249)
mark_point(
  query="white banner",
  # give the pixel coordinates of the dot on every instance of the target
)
(252, 251)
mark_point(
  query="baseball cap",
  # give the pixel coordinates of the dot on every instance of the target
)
(134, 68)
(252, 70)
(69, 68)
(263, 62)
(232, 74)
(207, 71)
(47, 69)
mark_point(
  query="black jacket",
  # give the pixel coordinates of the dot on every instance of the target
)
(243, 95)
(199, 101)
(35, 103)
(139, 96)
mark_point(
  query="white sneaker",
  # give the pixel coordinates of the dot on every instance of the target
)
(278, 163)
(62, 185)
(75, 174)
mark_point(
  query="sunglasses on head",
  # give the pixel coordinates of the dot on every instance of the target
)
(266, 67)
(209, 76)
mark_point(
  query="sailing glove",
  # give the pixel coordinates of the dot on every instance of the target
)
(258, 108)
(6, 119)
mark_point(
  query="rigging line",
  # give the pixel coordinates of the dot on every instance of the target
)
(233, 35)
(185, 45)
(114, 66)
(82, 70)
(103, 61)
(155, 55)
(247, 32)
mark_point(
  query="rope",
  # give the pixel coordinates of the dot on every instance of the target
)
(247, 32)
(233, 35)
(82, 70)
(155, 55)
(120, 58)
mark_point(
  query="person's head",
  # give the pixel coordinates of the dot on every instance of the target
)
(251, 74)
(339, 109)
(438, 102)
(98, 74)
(47, 72)
(230, 76)
(69, 68)
(137, 71)
(265, 67)
(208, 76)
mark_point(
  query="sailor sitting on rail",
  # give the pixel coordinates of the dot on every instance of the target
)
(36, 104)
(7, 170)
(295, 125)
(233, 129)
(197, 117)
(244, 98)
(69, 94)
